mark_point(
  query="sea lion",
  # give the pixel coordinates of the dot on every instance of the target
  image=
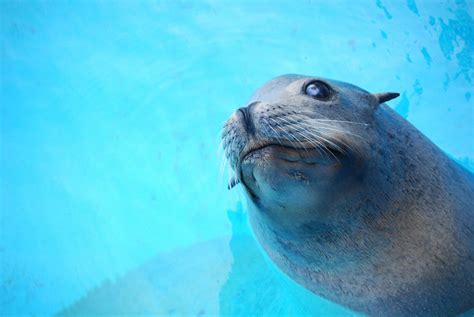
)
(352, 201)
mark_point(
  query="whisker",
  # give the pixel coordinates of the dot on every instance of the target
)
(309, 114)
(231, 148)
(307, 117)
(323, 131)
(323, 123)
(313, 130)
(228, 148)
(276, 133)
(341, 121)
(288, 134)
(318, 145)
(222, 168)
(323, 144)
(291, 125)
(333, 128)
(307, 139)
(220, 148)
(320, 131)
(223, 163)
(318, 136)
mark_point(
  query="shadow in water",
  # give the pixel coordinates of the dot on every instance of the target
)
(255, 286)
(226, 276)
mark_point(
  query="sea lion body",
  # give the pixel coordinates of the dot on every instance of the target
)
(352, 201)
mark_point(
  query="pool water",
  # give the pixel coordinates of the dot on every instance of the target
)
(110, 114)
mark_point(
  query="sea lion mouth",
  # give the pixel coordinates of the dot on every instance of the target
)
(306, 155)
(275, 165)
(257, 153)
(289, 153)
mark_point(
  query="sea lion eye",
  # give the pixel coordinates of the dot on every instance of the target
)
(317, 89)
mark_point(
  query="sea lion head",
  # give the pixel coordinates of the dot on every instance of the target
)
(299, 141)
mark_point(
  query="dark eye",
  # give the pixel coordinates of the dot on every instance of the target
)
(317, 89)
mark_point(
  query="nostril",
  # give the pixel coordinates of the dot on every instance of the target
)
(245, 114)
(248, 123)
(243, 110)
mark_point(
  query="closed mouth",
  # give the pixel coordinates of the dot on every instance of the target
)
(288, 154)
(309, 154)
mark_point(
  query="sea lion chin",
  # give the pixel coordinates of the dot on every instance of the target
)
(352, 201)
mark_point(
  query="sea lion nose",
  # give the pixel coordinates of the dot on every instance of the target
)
(247, 118)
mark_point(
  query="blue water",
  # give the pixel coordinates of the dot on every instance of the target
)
(110, 113)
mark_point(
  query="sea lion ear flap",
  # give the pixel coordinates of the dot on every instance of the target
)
(385, 96)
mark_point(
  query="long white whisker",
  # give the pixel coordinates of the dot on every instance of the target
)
(287, 133)
(223, 164)
(341, 121)
(220, 147)
(333, 128)
(321, 132)
(313, 141)
(323, 129)
(222, 169)
(317, 134)
(308, 114)
(227, 164)
(319, 146)
(291, 124)
(276, 133)
(323, 123)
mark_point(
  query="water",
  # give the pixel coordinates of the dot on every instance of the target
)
(110, 115)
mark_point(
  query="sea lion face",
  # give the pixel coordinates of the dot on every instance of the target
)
(299, 142)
